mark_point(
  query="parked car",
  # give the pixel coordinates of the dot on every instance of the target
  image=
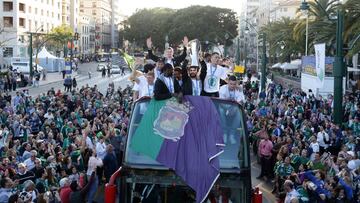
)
(101, 66)
(115, 69)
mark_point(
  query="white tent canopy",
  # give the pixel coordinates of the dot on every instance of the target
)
(45, 54)
(50, 62)
(276, 65)
(296, 62)
(350, 69)
(289, 66)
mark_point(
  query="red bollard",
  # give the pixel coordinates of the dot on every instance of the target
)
(257, 196)
(110, 193)
(110, 188)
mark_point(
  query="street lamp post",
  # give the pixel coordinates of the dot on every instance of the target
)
(338, 69)
(304, 7)
(31, 59)
(245, 47)
(238, 51)
(225, 47)
(31, 71)
(263, 65)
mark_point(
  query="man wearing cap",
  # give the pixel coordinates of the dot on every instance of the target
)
(169, 53)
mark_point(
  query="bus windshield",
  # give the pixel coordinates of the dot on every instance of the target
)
(235, 155)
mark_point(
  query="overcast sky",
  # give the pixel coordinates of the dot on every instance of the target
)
(130, 6)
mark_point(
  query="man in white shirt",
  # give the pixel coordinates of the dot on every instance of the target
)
(323, 140)
(101, 148)
(141, 82)
(314, 145)
(146, 87)
(30, 162)
(229, 113)
(211, 74)
(231, 91)
(291, 194)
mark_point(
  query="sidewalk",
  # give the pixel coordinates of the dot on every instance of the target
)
(50, 78)
(55, 77)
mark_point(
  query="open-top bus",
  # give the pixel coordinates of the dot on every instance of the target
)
(147, 180)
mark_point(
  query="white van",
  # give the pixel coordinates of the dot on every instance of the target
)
(22, 65)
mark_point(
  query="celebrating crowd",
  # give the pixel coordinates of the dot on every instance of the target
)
(311, 158)
(60, 146)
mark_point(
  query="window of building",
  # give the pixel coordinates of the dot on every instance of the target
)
(94, 4)
(29, 25)
(47, 13)
(285, 9)
(8, 21)
(42, 12)
(81, 10)
(58, 5)
(52, 2)
(21, 7)
(47, 1)
(7, 6)
(36, 10)
(29, 9)
(36, 24)
(58, 16)
(8, 51)
(22, 22)
(52, 14)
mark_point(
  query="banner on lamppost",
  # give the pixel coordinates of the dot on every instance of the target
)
(320, 64)
(68, 66)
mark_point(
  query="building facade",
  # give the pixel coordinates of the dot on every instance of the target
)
(20, 17)
(101, 12)
(87, 34)
(285, 9)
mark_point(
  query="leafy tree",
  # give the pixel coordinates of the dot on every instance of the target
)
(201, 22)
(59, 37)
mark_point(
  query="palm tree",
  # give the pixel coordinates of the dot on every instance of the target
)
(280, 39)
(352, 24)
(321, 27)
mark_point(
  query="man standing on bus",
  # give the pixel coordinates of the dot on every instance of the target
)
(169, 54)
(211, 74)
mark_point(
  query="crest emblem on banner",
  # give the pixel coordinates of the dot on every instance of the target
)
(172, 119)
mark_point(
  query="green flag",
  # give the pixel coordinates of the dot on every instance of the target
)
(130, 60)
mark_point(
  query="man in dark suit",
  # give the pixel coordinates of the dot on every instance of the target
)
(169, 53)
(192, 85)
(166, 86)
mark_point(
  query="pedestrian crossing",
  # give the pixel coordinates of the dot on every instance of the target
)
(119, 60)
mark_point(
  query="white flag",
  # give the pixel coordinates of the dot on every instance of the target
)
(320, 64)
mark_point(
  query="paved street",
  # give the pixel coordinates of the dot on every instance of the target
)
(82, 79)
